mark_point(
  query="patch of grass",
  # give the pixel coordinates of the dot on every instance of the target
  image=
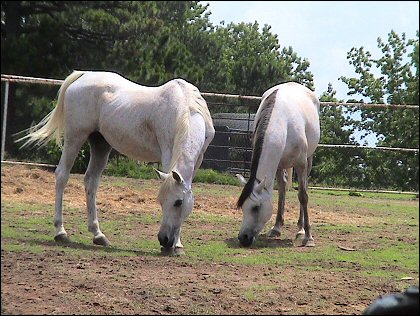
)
(199, 309)
(212, 176)
(355, 193)
(255, 292)
(200, 189)
(23, 208)
(22, 248)
(366, 195)
(130, 168)
(197, 218)
(127, 167)
(386, 259)
(211, 251)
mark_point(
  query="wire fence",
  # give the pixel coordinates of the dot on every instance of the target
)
(233, 117)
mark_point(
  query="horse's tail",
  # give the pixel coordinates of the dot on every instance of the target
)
(289, 179)
(52, 125)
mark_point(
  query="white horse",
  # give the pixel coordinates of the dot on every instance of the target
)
(286, 135)
(170, 124)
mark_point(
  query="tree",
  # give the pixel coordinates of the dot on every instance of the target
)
(149, 42)
(398, 83)
(332, 166)
(50, 39)
(253, 61)
(144, 41)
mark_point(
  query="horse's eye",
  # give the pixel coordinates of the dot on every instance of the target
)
(255, 208)
(178, 203)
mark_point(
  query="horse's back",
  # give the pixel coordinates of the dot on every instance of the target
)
(303, 106)
(296, 96)
(296, 118)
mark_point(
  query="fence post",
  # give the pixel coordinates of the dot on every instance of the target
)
(3, 132)
(247, 136)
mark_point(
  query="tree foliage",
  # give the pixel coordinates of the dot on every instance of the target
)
(331, 166)
(253, 61)
(151, 42)
(397, 83)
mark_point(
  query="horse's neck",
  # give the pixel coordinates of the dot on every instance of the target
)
(192, 148)
(273, 148)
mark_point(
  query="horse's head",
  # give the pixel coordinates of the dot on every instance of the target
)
(177, 201)
(257, 208)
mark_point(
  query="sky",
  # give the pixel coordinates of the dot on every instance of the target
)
(324, 31)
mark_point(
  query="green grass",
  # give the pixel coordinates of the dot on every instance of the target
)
(388, 247)
(211, 176)
(255, 292)
(126, 167)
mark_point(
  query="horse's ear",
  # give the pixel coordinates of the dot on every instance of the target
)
(178, 178)
(161, 174)
(260, 186)
(241, 179)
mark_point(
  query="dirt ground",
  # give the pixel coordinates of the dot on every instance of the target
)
(55, 282)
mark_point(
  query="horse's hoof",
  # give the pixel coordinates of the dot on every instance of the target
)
(177, 251)
(274, 233)
(300, 235)
(101, 240)
(164, 251)
(62, 238)
(308, 243)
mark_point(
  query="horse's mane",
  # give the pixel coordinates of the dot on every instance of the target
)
(261, 123)
(195, 104)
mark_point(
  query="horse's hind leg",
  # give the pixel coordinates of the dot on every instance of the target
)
(303, 222)
(99, 153)
(62, 172)
(282, 180)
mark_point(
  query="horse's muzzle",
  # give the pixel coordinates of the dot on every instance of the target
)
(165, 241)
(246, 239)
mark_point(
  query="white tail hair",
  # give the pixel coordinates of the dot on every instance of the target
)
(52, 125)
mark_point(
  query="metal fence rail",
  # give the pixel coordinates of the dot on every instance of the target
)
(241, 136)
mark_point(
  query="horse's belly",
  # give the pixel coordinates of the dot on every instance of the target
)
(143, 147)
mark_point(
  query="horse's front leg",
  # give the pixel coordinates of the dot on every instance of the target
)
(179, 248)
(99, 153)
(300, 223)
(281, 183)
(178, 243)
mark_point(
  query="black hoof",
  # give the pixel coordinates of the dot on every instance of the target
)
(62, 238)
(101, 241)
(172, 251)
